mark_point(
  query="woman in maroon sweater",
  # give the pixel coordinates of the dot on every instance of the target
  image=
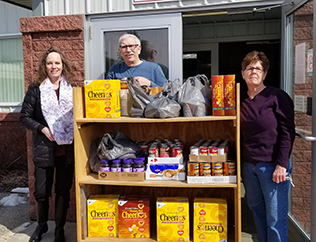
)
(267, 132)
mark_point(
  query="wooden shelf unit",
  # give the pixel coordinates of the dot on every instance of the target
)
(188, 130)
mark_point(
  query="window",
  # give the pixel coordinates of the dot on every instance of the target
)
(11, 74)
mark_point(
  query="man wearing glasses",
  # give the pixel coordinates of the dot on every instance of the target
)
(146, 73)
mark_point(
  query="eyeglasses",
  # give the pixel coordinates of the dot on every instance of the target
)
(131, 47)
(251, 69)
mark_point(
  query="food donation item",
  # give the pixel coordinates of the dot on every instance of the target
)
(102, 215)
(173, 219)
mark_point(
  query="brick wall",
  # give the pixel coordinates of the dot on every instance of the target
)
(301, 196)
(40, 33)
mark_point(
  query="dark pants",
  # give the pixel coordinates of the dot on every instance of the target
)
(44, 178)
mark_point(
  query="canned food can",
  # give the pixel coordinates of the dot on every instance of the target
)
(164, 150)
(230, 172)
(153, 151)
(193, 169)
(212, 151)
(217, 172)
(177, 151)
(229, 165)
(206, 173)
(217, 165)
(203, 150)
(194, 150)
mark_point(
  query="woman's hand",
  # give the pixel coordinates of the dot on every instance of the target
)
(48, 134)
(142, 81)
(279, 174)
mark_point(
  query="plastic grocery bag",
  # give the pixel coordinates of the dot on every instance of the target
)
(109, 149)
(192, 99)
(164, 104)
(137, 99)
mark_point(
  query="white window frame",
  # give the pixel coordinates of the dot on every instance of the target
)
(97, 25)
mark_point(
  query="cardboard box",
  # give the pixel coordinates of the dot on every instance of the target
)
(210, 220)
(211, 179)
(218, 95)
(166, 172)
(121, 176)
(165, 160)
(102, 98)
(102, 215)
(134, 217)
(229, 95)
(173, 219)
(207, 158)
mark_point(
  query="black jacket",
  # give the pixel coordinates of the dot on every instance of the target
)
(32, 118)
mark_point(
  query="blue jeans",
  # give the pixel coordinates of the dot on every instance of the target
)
(267, 200)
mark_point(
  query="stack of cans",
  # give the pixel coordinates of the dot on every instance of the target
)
(211, 148)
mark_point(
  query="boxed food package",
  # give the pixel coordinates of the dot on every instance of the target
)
(218, 95)
(229, 95)
(102, 215)
(161, 168)
(134, 217)
(102, 98)
(173, 219)
(210, 220)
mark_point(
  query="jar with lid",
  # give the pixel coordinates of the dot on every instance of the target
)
(127, 165)
(116, 166)
(105, 166)
(139, 165)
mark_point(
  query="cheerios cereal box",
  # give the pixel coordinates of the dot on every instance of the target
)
(210, 220)
(102, 213)
(134, 217)
(173, 219)
(102, 98)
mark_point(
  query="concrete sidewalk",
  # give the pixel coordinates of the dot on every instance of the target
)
(23, 233)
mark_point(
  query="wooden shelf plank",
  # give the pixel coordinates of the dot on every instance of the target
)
(92, 179)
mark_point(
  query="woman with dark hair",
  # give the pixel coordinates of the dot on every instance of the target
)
(47, 111)
(267, 136)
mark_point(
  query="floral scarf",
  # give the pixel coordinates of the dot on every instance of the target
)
(58, 113)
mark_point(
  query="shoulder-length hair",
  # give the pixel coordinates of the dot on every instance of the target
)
(42, 73)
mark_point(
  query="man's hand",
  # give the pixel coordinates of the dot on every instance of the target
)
(142, 81)
(47, 133)
(279, 174)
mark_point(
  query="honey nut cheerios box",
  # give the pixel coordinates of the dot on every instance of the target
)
(102, 215)
(210, 220)
(102, 98)
(173, 222)
(134, 216)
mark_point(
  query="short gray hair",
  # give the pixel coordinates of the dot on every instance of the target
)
(125, 36)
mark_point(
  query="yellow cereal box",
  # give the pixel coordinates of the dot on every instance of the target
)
(134, 217)
(229, 95)
(210, 220)
(102, 215)
(173, 222)
(218, 95)
(102, 98)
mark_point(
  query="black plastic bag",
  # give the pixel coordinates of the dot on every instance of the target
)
(117, 147)
(164, 104)
(137, 99)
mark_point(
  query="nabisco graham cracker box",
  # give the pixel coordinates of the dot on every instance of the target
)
(229, 95)
(102, 98)
(210, 220)
(173, 222)
(102, 213)
(218, 95)
(134, 217)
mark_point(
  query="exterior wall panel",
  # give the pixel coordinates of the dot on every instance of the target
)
(9, 18)
(61, 7)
